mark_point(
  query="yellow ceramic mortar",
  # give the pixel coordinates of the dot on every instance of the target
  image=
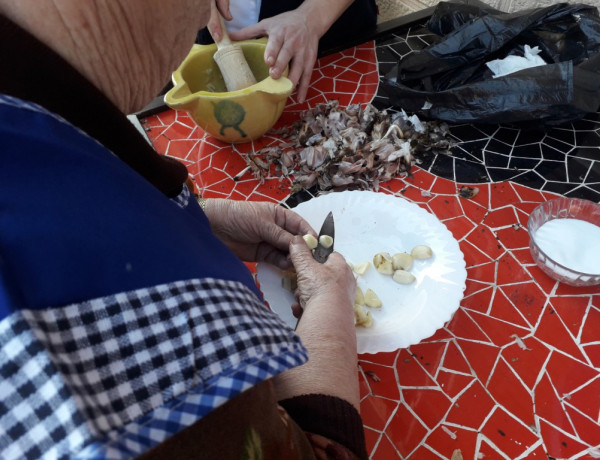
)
(231, 116)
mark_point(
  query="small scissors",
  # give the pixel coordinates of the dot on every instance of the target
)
(327, 229)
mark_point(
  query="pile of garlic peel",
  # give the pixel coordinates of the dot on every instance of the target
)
(398, 266)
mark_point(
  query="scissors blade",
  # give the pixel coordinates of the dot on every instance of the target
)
(328, 228)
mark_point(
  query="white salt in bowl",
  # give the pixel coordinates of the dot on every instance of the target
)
(564, 239)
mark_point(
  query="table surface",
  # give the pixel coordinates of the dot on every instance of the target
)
(515, 373)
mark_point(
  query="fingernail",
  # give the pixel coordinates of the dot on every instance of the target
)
(270, 61)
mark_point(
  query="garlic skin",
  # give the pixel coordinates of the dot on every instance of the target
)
(360, 297)
(421, 252)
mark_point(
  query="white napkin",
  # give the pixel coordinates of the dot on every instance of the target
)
(510, 64)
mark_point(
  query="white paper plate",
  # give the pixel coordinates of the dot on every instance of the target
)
(367, 223)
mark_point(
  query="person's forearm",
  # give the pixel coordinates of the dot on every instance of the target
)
(330, 339)
(323, 13)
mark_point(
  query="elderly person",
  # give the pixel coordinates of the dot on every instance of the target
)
(129, 325)
(296, 30)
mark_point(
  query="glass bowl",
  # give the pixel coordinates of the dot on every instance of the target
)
(562, 208)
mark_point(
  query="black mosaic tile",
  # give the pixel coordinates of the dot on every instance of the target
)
(551, 154)
(507, 135)
(578, 169)
(527, 151)
(587, 138)
(496, 146)
(443, 166)
(523, 164)
(562, 159)
(495, 160)
(530, 179)
(470, 172)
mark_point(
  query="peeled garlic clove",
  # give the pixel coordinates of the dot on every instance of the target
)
(311, 241)
(368, 322)
(360, 314)
(403, 277)
(381, 257)
(386, 267)
(421, 252)
(361, 268)
(360, 297)
(371, 299)
(326, 241)
(402, 261)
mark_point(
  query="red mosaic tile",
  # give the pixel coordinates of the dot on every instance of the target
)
(430, 406)
(565, 289)
(503, 309)
(376, 411)
(513, 237)
(385, 358)
(453, 383)
(572, 311)
(510, 271)
(443, 186)
(454, 360)
(445, 207)
(528, 194)
(567, 375)
(485, 273)
(473, 255)
(488, 452)
(416, 195)
(500, 217)
(421, 179)
(486, 241)
(527, 357)
(363, 386)
(385, 450)
(405, 431)
(463, 326)
(429, 354)
(512, 437)
(481, 357)
(586, 399)
(447, 439)
(371, 438)
(410, 373)
(523, 256)
(554, 334)
(473, 210)
(558, 444)
(593, 354)
(483, 196)
(500, 332)
(471, 408)
(459, 226)
(381, 381)
(423, 453)
(502, 194)
(511, 394)
(587, 430)
(478, 301)
(541, 279)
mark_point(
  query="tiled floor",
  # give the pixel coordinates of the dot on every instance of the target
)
(390, 9)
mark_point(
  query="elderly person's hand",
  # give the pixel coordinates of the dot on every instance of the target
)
(256, 231)
(326, 294)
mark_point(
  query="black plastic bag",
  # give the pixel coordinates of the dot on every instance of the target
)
(450, 81)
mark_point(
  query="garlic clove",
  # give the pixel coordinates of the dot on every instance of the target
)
(403, 277)
(402, 261)
(311, 241)
(421, 252)
(371, 299)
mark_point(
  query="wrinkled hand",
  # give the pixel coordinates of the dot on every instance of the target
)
(293, 40)
(214, 24)
(256, 231)
(322, 284)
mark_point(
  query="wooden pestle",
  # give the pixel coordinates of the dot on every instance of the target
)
(232, 63)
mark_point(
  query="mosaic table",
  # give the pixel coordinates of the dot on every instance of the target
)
(515, 374)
